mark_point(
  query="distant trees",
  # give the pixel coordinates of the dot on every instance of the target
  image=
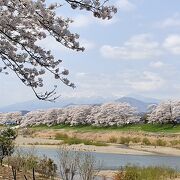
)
(165, 112)
(15, 117)
(109, 114)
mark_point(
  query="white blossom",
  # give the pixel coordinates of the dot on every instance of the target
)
(23, 23)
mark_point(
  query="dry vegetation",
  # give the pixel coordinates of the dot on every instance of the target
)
(6, 174)
(119, 137)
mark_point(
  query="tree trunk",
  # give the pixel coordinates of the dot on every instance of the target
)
(34, 174)
(25, 177)
(1, 161)
(14, 173)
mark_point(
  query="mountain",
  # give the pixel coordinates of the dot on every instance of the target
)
(140, 105)
(62, 102)
(144, 99)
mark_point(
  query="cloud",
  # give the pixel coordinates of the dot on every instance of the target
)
(157, 64)
(88, 45)
(125, 5)
(147, 81)
(172, 44)
(82, 21)
(173, 21)
(137, 47)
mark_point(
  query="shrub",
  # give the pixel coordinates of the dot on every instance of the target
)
(174, 142)
(146, 141)
(113, 139)
(160, 142)
(125, 140)
(61, 136)
(145, 173)
(136, 140)
(27, 132)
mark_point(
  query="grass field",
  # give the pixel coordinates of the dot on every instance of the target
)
(155, 128)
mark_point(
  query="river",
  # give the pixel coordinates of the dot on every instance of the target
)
(115, 161)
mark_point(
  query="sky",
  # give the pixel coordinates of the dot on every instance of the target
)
(137, 51)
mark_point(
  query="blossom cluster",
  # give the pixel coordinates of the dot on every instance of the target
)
(165, 112)
(110, 114)
(25, 22)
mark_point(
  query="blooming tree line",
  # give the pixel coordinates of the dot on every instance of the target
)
(109, 114)
(165, 112)
(23, 23)
(103, 115)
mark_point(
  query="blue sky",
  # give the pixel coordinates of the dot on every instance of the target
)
(138, 51)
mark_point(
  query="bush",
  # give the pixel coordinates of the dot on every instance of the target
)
(47, 167)
(125, 140)
(146, 141)
(27, 132)
(160, 142)
(113, 139)
(174, 142)
(61, 136)
(145, 173)
(136, 140)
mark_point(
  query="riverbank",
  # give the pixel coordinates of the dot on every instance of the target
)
(111, 148)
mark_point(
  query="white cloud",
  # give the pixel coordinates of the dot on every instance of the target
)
(88, 45)
(147, 81)
(125, 5)
(157, 64)
(137, 47)
(172, 44)
(81, 21)
(173, 21)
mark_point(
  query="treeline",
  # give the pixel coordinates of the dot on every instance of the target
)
(109, 114)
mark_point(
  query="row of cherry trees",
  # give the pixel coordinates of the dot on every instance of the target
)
(104, 115)
(99, 115)
(165, 112)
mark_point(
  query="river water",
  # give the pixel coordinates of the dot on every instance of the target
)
(115, 161)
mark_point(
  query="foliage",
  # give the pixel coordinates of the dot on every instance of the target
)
(125, 140)
(7, 137)
(160, 142)
(113, 139)
(146, 141)
(74, 140)
(160, 128)
(148, 173)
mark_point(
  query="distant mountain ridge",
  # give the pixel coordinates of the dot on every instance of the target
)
(140, 105)
(66, 102)
(63, 102)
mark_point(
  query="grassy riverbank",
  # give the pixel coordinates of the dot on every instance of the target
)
(154, 128)
(140, 134)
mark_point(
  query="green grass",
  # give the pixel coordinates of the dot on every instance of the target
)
(74, 140)
(146, 173)
(156, 128)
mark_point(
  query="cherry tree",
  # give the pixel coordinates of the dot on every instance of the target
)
(165, 112)
(25, 22)
(14, 117)
(110, 114)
